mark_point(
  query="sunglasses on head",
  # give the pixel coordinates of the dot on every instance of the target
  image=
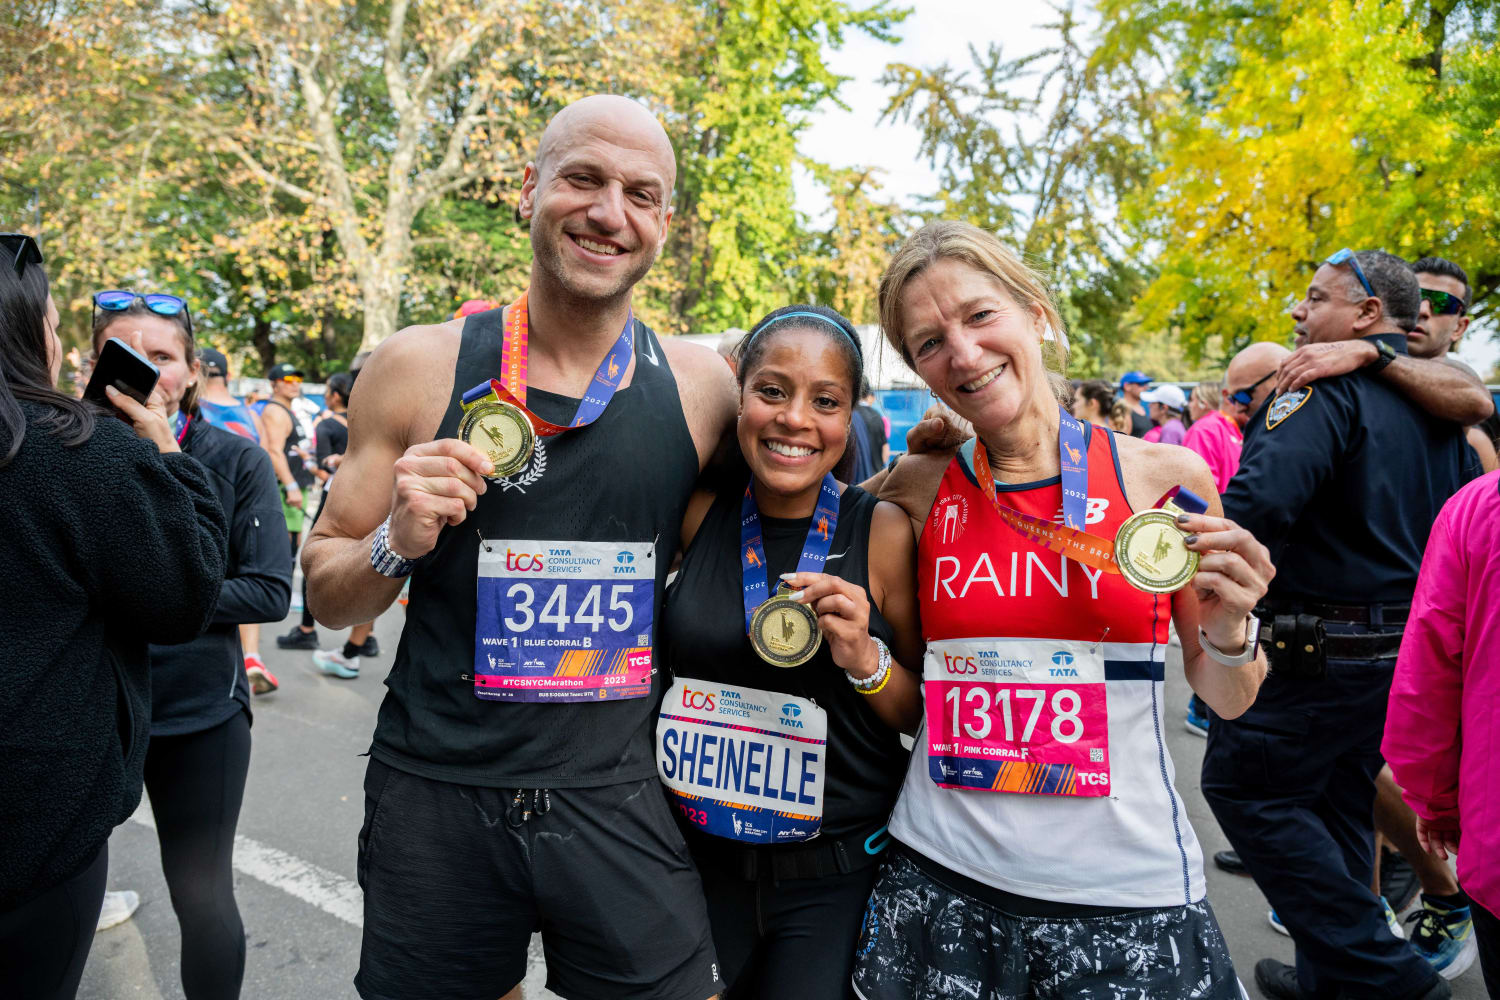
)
(1346, 256)
(1243, 396)
(22, 250)
(119, 300)
(1443, 303)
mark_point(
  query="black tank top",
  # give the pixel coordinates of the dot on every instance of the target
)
(298, 466)
(624, 478)
(703, 636)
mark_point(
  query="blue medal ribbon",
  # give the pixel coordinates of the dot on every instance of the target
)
(1073, 460)
(825, 519)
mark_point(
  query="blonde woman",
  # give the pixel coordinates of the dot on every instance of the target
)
(1041, 847)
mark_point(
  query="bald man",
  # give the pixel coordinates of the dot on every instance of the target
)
(512, 782)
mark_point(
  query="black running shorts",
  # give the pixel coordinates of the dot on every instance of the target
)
(922, 940)
(457, 877)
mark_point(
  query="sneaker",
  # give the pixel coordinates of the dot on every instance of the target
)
(1398, 880)
(1197, 717)
(1277, 980)
(118, 906)
(298, 639)
(262, 681)
(331, 661)
(1230, 861)
(1391, 920)
(1445, 937)
(369, 648)
(1279, 928)
(296, 607)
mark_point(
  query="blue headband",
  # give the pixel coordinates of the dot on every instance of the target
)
(802, 314)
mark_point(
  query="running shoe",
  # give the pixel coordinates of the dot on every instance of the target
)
(1231, 862)
(1444, 935)
(298, 639)
(331, 661)
(1197, 717)
(118, 906)
(1398, 880)
(1279, 928)
(262, 681)
(1277, 980)
(369, 648)
(296, 608)
(1391, 920)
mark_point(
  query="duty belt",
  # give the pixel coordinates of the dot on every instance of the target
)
(1377, 615)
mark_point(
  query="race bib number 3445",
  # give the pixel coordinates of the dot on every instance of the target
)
(1023, 716)
(564, 621)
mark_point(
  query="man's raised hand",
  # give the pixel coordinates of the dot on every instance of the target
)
(437, 484)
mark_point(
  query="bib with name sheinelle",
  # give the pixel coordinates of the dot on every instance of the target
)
(743, 763)
(1043, 717)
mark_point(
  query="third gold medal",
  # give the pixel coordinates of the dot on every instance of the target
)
(1151, 550)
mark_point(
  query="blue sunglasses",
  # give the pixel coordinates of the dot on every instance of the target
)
(119, 300)
(1243, 396)
(1346, 256)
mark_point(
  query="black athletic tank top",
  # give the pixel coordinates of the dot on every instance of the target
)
(300, 474)
(703, 636)
(624, 478)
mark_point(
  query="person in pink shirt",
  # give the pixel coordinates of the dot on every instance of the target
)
(1215, 434)
(1442, 731)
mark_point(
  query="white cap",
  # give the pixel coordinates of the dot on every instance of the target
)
(1168, 395)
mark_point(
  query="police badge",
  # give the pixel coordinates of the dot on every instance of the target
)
(1285, 405)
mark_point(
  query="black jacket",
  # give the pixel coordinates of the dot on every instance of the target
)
(197, 685)
(104, 547)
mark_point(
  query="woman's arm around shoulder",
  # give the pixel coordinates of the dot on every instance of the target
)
(912, 486)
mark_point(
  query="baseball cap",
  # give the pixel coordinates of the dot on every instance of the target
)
(1168, 395)
(214, 362)
(281, 371)
(1135, 377)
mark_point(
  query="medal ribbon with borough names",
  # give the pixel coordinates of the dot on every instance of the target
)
(1159, 561)
(784, 632)
(1069, 538)
(496, 419)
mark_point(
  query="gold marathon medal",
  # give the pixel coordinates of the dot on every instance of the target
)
(784, 632)
(501, 431)
(1152, 551)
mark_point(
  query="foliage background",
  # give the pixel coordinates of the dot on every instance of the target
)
(314, 174)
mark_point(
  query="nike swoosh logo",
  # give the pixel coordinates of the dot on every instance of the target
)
(837, 555)
(650, 350)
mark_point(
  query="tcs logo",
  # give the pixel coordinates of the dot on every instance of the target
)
(1085, 778)
(701, 700)
(959, 664)
(524, 562)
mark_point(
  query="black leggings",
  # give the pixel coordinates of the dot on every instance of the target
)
(45, 941)
(1487, 930)
(196, 782)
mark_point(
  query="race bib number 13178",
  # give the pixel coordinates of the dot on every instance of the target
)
(564, 621)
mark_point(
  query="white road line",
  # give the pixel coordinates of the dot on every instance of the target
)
(328, 891)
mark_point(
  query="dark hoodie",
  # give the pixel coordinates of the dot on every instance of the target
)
(104, 547)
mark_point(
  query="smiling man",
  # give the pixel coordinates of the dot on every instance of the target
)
(512, 785)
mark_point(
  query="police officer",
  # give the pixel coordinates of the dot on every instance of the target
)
(1341, 479)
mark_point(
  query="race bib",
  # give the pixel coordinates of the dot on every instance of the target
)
(1017, 715)
(564, 621)
(742, 763)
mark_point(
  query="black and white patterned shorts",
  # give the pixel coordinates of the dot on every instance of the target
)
(923, 941)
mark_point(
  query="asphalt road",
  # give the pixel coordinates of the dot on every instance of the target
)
(295, 861)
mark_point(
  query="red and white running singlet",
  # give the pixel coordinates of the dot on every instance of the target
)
(1041, 768)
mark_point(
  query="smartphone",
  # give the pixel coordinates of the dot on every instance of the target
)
(121, 366)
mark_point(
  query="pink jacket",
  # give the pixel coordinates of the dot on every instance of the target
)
(1218, 440)
(1442, 731)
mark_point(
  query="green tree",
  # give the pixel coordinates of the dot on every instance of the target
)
(1295, 128)
(1041, 149)
(748, 75)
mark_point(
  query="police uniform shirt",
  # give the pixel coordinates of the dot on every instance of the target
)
(1342, 481)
